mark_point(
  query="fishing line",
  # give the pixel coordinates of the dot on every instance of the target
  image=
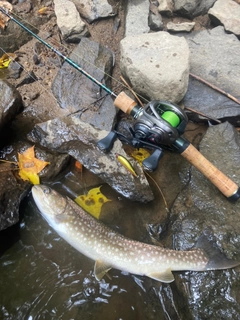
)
(52, 48)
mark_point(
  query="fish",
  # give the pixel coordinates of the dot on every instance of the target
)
(110, 249)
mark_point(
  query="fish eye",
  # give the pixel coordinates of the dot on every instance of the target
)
(46, 190)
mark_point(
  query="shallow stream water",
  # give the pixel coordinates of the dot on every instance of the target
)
(43, 277)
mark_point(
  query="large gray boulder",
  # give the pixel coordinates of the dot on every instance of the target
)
(157, 65)
(76, 93)
(218, 64)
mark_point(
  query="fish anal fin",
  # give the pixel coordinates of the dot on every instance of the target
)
(100, 269)
(164, 276)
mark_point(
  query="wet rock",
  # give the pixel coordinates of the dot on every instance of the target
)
(220, 65)
(166, 7)
(12, 188)
(226, 13)
(137, 18)
(10, 103)
(191, 9)
(75, 92)
(13, 36)
(180, 27)
(69, 22)
(12, 191)
(79, 139)
(93, 10)
(201, 208)
(157, 65)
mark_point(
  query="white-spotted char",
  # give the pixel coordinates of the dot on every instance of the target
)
(110, 249)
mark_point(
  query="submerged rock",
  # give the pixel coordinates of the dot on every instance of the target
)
(79, 139)
(201, 208)
(157, 65)
(10, 103)
(75, 92)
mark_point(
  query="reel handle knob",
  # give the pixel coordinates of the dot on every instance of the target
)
(106, 143)
(151, 163)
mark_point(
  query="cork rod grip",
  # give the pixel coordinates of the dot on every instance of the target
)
(220, 180)
(124, 102)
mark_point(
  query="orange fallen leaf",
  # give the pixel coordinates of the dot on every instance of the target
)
(78, 166)
(30, 166)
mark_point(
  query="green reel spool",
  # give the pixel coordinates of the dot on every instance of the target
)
(171, 117)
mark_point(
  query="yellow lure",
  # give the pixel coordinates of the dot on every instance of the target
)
(127, 165)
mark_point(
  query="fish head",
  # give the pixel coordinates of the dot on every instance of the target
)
(50, 204)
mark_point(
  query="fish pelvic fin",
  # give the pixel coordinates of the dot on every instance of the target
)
(100, 269)
(217, 260)
(164, 276)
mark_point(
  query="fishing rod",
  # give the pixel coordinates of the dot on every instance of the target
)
(158, 125)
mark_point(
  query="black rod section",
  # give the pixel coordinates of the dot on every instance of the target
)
(69, 61)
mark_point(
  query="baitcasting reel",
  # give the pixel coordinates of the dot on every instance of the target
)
(158, 124)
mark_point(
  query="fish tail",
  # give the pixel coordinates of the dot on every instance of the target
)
(217, 259)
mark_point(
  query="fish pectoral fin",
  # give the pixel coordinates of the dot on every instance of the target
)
(164, 276)
(100, 269)
(60, 218)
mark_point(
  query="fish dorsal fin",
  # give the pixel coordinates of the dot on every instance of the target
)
(100, 269)
(164, 276)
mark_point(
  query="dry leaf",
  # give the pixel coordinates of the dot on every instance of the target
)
(92, 202)
(43, 10)
(140, 155)
(3, 18)
(30, 166)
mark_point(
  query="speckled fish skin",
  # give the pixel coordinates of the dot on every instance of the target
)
(112, 250)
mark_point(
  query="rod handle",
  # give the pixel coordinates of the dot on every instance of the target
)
(229, 188)
(124, 103)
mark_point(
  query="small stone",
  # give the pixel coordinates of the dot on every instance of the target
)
(166, 7)
(180, 27)
(69, 22)
(94, 10)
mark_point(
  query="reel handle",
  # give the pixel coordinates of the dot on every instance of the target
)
(126, 104)
(229, 188)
